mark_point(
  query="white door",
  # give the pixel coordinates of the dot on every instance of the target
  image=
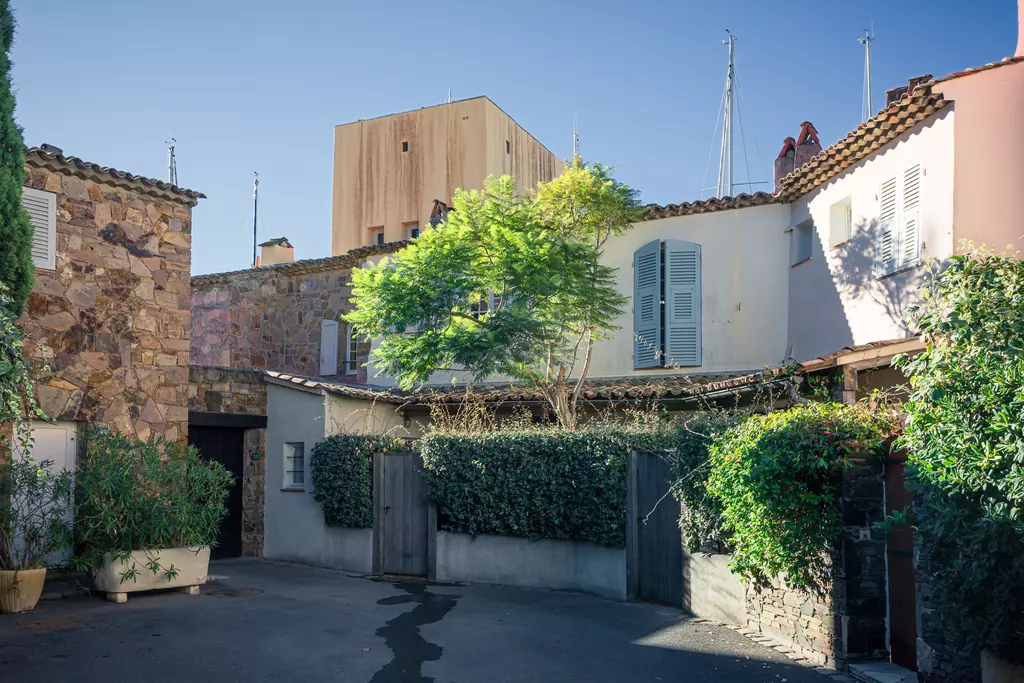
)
(56, 441)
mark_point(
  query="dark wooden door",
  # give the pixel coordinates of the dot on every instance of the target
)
(659, 544)
(403, 512)
(899, 550)
(224, 445)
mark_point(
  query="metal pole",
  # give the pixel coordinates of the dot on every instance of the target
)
(255, 199)
(867, 108)
(725, 157)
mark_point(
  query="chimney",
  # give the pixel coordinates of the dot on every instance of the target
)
(277, 250)
(784, 162)
(807, 144)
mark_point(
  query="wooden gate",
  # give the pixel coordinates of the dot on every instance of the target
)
(224, 445)
(401, 514)
(654, 544)
(899, 550)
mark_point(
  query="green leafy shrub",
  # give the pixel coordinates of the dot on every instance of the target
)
(342, 470)
(776, 477)
(689, 459)
(144, 495)
(534, 482)
(964, 436)
(35, 504)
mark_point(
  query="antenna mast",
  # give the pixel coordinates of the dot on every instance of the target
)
(867, 107)
(172, 163)
(575, 137)
(449, 100)
(255, 200)
(725, 157)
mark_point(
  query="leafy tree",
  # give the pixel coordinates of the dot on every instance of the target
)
(16, 269)
(509, 284)
(965, 440)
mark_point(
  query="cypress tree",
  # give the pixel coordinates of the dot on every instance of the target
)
(16, 269)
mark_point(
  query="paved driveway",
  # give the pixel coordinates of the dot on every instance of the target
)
(262, 621)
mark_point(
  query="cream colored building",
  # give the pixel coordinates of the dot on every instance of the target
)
(389, 170)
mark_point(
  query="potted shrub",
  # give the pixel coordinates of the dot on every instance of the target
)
(34, 509)
(146, 514)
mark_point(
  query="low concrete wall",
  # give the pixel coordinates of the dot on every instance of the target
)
(327, 546)
(711, 590)
(508, 561)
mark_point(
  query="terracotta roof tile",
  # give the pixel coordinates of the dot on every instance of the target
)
(653, 212)
(57, 161)
(910, 110)
(986, 67)
(313, 265)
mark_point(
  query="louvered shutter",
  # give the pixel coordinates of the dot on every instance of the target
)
(887, 248)
(682, 303)
(647, 306)
(910, 235)
(42, 214)
(328, 347)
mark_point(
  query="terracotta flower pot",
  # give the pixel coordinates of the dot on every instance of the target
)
(20, 589)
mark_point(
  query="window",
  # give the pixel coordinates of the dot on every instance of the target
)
(328, 347)
(840, 223)
(667, 305)
(899, 221)
(802, 244)
(479, 306)
(508, 147)
(42, 214)
(378, 237)
(405, 146)
(414, 231)
(352, 351)
(294, 465)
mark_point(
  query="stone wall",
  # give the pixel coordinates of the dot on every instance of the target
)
(848, 623)
(238, 391)
(940, 658)
(112, 319)
(227, 390)
(270, 318)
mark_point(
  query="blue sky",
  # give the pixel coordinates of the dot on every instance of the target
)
(260, 85)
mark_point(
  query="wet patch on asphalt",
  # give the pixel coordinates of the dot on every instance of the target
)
(402, 634)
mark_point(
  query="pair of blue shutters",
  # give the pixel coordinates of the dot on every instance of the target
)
(666, 304)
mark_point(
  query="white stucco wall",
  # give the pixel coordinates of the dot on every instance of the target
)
(293, 523)
(836, 297)
(744, 256)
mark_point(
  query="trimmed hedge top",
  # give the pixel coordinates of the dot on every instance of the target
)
(533, 483)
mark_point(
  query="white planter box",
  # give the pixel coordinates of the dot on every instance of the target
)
(191, 564)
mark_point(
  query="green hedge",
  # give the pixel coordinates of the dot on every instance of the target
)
(700, 516)
(342, 471)
(775, 478)
(534, 483)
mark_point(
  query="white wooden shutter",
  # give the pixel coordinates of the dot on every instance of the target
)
(887, 248)
(42, 213)
(328, 347)
(910, 233)
(682, 303)
(647, 306)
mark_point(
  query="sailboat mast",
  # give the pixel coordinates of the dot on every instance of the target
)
(725, 166)
(255, 204)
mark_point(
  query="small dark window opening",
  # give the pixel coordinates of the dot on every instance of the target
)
(405, 146)
(508, 147)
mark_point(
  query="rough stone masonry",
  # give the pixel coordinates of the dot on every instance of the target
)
(111, 321)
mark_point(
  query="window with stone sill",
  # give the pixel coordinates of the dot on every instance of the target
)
(294, 465)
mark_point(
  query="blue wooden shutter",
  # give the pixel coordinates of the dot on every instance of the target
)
(647, 306)
(682, 303)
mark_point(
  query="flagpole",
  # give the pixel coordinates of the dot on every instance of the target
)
(255, 200)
